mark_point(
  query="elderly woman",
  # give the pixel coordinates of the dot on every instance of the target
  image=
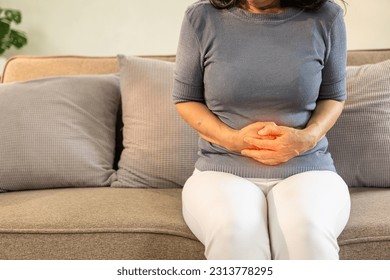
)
(262, 81)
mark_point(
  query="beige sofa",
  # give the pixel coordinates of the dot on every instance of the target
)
(141, 223)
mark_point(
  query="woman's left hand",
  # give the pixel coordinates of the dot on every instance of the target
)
(278, 144)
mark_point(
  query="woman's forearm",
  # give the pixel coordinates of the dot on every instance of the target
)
(323, 118)
(209, 127)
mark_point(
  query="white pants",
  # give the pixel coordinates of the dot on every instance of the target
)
(299, 217)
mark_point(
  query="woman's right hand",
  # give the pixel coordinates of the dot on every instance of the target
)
(212, 129)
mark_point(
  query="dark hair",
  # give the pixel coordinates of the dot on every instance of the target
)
(303, 4)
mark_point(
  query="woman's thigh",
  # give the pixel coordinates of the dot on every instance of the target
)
(307, 212)
(228, 214)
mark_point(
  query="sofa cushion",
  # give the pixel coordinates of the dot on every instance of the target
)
(95, 223)
(367, 234)
(360, 140)
(58, 132)
(160, 149)
(131, 223)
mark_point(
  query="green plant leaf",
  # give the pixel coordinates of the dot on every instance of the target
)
(5, 44)
(4, 29)
(17, 39)
(13, 15)
(8, 36)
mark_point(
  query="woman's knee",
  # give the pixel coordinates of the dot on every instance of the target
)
(305, 228)
(307, 213)
(236, 238)
(303, 239)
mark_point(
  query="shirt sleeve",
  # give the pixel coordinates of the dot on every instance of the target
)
(188, 77)
(333, 84)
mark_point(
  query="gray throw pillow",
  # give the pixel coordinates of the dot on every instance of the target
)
(360, 140)
(160, 149)
(58, 132)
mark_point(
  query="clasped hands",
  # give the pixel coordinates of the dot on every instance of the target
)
(271, 144)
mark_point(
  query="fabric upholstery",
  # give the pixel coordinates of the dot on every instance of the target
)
(360, 57)
(367, 235)
(95, 223)
(130, 223)
(360, 140)
(58, 132)
(22, 68)
(160, 149)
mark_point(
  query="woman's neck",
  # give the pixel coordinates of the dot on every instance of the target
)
(263, 6)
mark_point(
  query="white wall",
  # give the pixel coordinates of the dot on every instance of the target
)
(368, 24)
(108, 27)
(99, 27)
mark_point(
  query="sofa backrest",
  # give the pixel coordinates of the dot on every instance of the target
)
(360, 57)
(21, 68)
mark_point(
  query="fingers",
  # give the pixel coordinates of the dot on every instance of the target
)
(266, 134)
(262, 144)
(257, 126)
(263, 156)
(270, 129)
